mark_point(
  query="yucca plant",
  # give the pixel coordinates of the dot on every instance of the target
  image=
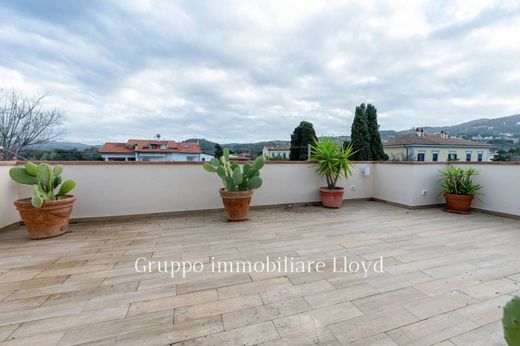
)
(332, 160)
(458, 181)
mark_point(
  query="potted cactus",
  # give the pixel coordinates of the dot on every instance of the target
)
(332, 161)
(458, 188)
(511, 322)
(47, 213)
(238, 184)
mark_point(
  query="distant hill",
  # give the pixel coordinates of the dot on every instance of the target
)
(53, 145)
(499, 127)
(481, 127)
(253, 148)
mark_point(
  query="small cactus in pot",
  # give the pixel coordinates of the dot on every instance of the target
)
(46, 214)
(45, 180)
(239, 183)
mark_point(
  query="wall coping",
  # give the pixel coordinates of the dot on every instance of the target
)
(268, 162)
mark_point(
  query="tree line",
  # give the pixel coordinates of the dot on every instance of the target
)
(365, 138)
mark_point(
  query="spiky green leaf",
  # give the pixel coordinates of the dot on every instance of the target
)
(511, 321)
(226, 154)
(45, 177)
(37, 198)
(66, 187)
(57, 170)
(254, 183)
(209, 167)
(221, 172)
(237, 176)
(31, 168)
(21, 176)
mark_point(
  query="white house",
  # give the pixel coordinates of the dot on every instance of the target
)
(153, 150)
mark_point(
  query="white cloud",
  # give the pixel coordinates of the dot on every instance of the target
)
(241, 71)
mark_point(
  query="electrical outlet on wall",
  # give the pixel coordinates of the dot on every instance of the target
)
(352, 187)
(424, 192)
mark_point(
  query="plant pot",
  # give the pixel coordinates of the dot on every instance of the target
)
(51, 220)
(236, 203)
(458, 203)
(331, 198)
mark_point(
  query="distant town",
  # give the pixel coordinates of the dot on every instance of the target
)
(479, 140)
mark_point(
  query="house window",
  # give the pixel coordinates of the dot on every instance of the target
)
(420, 157)
(435, 156)
(452, 156)
(479, 157)
(191, 158)
(284, 156)
(468, 155)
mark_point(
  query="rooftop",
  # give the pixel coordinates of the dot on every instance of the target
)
(147, 146)
(433, 140)
(443, 279)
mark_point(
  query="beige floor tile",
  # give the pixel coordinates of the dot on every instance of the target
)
(250, 335)
(432, 330)
(216, 307)
(488, 335)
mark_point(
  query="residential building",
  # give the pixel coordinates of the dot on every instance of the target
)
(277, 153)
(153, 150)
(436, 147)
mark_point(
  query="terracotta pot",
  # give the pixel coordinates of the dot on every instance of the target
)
(331, 198)
(458, 203)
(51, 220)
(236, 203)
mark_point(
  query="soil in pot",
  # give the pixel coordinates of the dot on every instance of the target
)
(331, 198)
(458, 203)
(51, 220)
(236, 204)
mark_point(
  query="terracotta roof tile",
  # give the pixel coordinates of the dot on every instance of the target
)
(432, 140)
(115, 148)
(143, 146)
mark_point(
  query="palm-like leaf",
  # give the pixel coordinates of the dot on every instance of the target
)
(332, 160)
(459, 181)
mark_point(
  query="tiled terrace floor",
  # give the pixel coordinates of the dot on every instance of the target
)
(446, 278)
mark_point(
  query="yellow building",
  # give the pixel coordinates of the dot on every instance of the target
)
(277, 153)
(423, 147)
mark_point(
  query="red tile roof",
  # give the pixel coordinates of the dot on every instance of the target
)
(144, 146)
(433, 140)
(115, 148)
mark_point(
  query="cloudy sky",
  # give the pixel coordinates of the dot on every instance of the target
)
(252, 70)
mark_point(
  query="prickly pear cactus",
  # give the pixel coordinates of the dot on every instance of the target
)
(45, 180)
(511, 322)
(233, 176)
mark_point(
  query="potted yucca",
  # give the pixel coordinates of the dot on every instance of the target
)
(332, 161)
(458, 188)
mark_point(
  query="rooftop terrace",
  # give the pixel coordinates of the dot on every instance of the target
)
(445, 277)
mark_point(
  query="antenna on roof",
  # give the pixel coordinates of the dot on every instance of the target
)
(158, 136)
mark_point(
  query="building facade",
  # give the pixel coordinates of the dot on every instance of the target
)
(423, 147)
(276, 153)
(153, 150)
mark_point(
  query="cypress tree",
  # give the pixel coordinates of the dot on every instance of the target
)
(302, 136)
(360, 136)
(376, 146)
(218, 151)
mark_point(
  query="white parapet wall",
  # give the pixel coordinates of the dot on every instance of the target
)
(8, 194)
(107, 189)
(116, 189)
